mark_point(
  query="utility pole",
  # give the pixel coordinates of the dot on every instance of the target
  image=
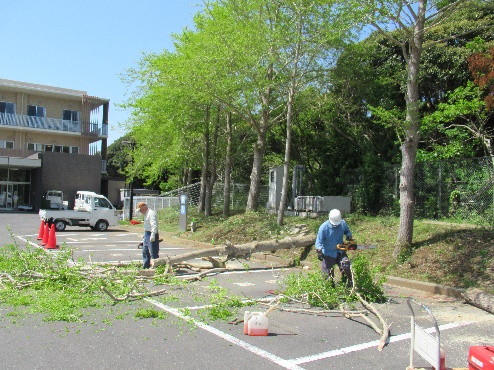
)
(131, 144)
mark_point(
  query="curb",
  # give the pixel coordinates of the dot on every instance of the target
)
(425, 287)
(390, 280)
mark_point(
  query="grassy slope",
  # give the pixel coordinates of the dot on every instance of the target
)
(450, 254)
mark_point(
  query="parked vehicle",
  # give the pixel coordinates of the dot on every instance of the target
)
(53, 199)
(95, 212)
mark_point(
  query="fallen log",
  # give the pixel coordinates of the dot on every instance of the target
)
(480, 299)
(242, 250)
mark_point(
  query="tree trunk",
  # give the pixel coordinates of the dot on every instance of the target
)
(205, 165)
(286, 163)
(228, 165)
(411, 128)
(259, 147)
(407, 204)
(255, 176)
(189, 176)
(247, 249)
(212, 172)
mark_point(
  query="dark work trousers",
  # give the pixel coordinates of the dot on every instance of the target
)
(343, 262)
(150, 249)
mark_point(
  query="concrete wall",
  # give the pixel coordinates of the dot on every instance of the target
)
(114, 187)
(341, 203)
(69, 173)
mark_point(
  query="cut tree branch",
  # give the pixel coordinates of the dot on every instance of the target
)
(242, 250)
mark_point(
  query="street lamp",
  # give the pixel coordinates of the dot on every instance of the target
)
(131, 144)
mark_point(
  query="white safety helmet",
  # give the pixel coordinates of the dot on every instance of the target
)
(335, 217)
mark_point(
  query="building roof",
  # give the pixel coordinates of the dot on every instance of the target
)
(46, 90)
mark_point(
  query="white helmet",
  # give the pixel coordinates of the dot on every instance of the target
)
(335, 217)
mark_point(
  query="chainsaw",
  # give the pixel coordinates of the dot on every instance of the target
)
(141, 244)
(351, 245)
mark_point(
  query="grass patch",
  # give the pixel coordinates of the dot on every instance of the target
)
(446, 253)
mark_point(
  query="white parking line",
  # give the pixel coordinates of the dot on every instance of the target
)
(230, 338)
(117, 249)
(106, 250)
(375, 343)
(76, 241)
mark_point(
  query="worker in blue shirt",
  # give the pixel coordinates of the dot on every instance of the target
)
(331, 234)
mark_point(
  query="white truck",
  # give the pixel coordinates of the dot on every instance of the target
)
(91, 210)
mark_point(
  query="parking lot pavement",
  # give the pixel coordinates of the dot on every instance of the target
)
(295, 340)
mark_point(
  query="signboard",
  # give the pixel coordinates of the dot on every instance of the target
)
(426, 346)
(182, 222)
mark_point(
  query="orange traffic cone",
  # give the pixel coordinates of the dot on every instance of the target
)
(52, 239)
(46, 234)
(41, 230)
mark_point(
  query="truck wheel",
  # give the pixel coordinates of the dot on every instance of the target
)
(60, 225)
(101, 225)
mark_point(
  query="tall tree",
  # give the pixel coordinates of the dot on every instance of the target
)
(165, 117)
(311, 33)
(413, 19)
(239, 73)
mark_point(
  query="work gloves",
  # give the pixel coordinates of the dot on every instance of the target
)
(319, 254)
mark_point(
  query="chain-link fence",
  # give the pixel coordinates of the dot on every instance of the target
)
(460, 190)
(238, 198)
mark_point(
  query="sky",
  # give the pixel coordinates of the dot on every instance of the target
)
(87, 44)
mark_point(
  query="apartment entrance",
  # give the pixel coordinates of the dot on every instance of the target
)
(15, 187)
(16, 176)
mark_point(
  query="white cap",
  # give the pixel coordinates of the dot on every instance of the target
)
(335, 217)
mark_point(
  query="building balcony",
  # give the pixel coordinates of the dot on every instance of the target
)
(53, 124)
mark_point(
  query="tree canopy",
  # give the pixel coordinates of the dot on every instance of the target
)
(299, 87)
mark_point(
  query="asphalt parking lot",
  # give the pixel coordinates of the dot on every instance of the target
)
(295, 340)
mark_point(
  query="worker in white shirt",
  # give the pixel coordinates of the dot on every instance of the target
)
(151, 239)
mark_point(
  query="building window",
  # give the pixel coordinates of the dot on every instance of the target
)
(35, 146)
(6, 144)
(7, 107)
(52, 148)
(71, 115)
(35, 111)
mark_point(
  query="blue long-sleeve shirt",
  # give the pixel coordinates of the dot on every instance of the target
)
(329, 236)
